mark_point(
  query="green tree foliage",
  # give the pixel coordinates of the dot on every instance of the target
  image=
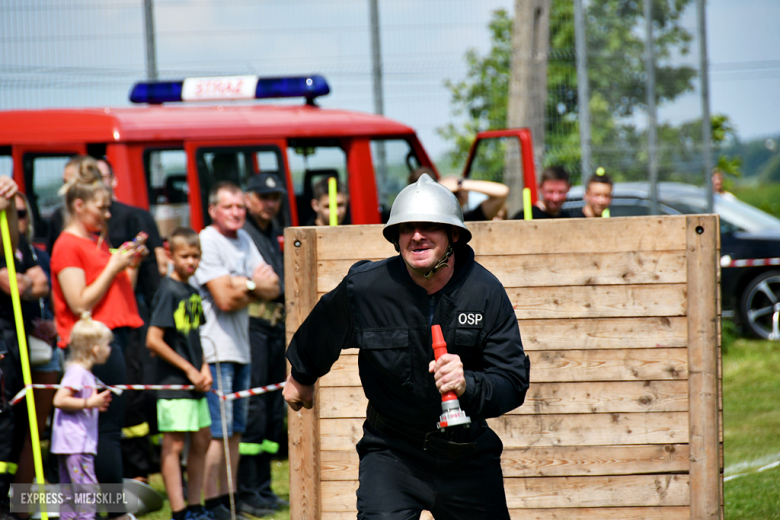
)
(616, 74)
(482, 96)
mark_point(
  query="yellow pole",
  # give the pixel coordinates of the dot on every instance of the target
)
(528, 210)
(22, 340)
(332, 200)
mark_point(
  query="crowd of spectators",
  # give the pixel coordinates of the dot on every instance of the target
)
(105, 303)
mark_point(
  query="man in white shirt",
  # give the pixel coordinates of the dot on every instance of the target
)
(232, 274)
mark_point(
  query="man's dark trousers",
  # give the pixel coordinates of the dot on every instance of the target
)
(399, 480)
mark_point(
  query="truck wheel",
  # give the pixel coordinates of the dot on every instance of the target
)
(759, 303)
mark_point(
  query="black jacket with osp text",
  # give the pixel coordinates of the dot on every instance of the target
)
(378, 309)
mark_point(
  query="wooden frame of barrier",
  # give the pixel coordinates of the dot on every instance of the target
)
(620, 317)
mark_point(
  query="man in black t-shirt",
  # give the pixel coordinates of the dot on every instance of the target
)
(553, 187)
(264, 432)
(173, 335)
(597, 197)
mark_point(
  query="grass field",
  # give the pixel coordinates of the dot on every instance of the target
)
(751, 417)
(281, 486)
(751, 413)
(765, 197)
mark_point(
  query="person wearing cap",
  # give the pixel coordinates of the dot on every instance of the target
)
(264, 195)
(386, 310)
(598, 197)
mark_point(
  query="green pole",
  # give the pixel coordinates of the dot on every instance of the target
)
(528, 210)
(22, 340)
(332, 200)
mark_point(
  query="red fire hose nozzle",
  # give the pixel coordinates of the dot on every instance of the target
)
(452, 415)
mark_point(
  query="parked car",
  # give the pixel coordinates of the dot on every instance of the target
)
(750, 293)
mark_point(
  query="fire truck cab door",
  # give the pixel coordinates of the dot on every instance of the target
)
(494, 153)
(37, 170)
(237, 160)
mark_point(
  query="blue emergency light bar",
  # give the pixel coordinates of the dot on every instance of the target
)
(229, 87)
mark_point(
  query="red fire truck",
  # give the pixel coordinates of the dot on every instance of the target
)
(168, 152)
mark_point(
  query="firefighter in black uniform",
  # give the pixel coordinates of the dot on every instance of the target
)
(386, 310)
(261, 440)
(13, 419)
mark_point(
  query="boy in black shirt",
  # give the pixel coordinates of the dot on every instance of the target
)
(173, 336)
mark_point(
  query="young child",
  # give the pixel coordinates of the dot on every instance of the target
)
(75, 428)
(173, 336)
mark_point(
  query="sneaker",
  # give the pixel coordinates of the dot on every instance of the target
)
(219, 512)
(199, 514)
(277, 501)
(254, 508)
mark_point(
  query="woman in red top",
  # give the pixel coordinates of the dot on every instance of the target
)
(87, 276)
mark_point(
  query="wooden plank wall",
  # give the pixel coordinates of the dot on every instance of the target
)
(619, 318)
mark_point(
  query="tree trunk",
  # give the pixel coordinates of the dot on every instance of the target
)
(527, 87)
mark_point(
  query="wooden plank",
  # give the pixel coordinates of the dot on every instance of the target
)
(605, 333)
(548, 398)
(609, 365)
(599, 513)
(598, 301)
(520, 431)
(558, 492)
(513, 237)
(339, 496)
(552, 461)
(605, 397)
(582, 513)
(303, 426)
(702, 235)
(330, 272)
(609, 491)
(562, 461)
(542, 270)
(565, 366)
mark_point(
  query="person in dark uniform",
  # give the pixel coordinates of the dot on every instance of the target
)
(140, 413)
(386, 309)
(13, 419)
(553, 187)
(597, 197)
(264, 195)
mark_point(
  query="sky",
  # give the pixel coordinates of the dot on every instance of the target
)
(90, 52)
(744, 52)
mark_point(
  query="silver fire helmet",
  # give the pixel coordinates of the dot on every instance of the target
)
(426, 201)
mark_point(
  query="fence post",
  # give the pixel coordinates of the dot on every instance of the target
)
(300, 268)
(702, 259)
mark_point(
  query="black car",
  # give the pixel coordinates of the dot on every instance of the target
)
(750, 290)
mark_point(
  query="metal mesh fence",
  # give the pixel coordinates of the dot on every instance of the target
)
(66, 53)
(617, 75)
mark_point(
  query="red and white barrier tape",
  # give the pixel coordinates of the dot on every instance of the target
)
(253, 391)
(118, 389)
(727, 261)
